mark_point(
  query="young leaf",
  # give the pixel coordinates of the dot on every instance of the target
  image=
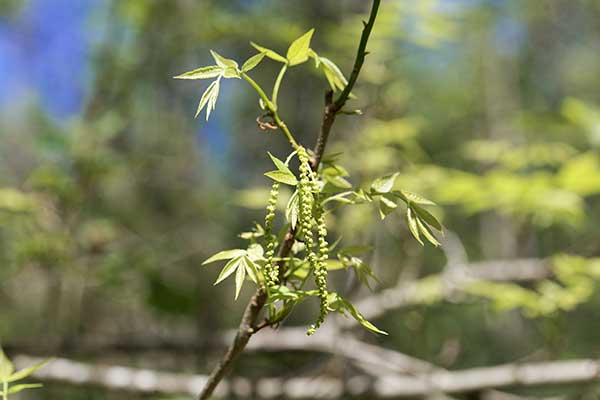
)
(251, 269)
(222, 61)
(19, 388)
(279, 164)
(338, 303)
(284, 177)
(412, 224)
(240, 275)
(337, 181)
(229, 269)
(255, 252)
(206, 96)
(427, 217)
(387, 205)
(25, 372)
(334, 75)
(253, 61)
(341, 197)
(202, 73)
(416, 198)
(231, 72)
(384, 184)
(427, 233)
(358, 316)
(291, 211)
(6, 366)
(298, 51)
(225, 255)
(212, 101)
(269, 53)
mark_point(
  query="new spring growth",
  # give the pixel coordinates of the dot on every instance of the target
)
(271, 269)
(306, 187)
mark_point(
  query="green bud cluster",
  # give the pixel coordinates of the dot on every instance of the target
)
(271, 268)
(317, 261)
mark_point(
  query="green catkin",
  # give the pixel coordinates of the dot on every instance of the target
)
(316, 261)
(271, 268)
(320, 271)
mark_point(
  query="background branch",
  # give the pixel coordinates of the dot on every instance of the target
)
(392, 385)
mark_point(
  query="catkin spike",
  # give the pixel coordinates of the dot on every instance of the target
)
(271, 268)
(317, 262)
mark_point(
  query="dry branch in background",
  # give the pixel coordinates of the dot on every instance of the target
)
(388, 386)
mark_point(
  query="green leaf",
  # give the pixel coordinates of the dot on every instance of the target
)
(251, 269)
(222, 61)
(253, 61)
(292, 210)
(412, 224)
(240, 275)
(231, 72)
(284, 177)
(299, 49)
(345, 304)
(361, 195)
(205, 97)
(229, 269)
(387, 205)
(209, 97)
(362, 270)
(269, 53)
(427, 233)
(202, 73)
(19, 388)
(6, 366)
(335, 170)
(255, 252)
(416, 198)
(225, 255)
(279, 293)
(213, 99)
(340, 197)
(334, 75)
(279, 164)
(25, 372)
(338, 181)
(384, 184)
(427, 217)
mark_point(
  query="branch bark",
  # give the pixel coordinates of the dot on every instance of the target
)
(245, 331)
(246, 328)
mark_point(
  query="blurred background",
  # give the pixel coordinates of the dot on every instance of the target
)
(112, 194)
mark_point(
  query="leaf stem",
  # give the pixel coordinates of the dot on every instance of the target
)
(277, 84)
(272, 109)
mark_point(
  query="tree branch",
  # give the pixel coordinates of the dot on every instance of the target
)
(245, 331)
(360, 57)
(331, 107)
